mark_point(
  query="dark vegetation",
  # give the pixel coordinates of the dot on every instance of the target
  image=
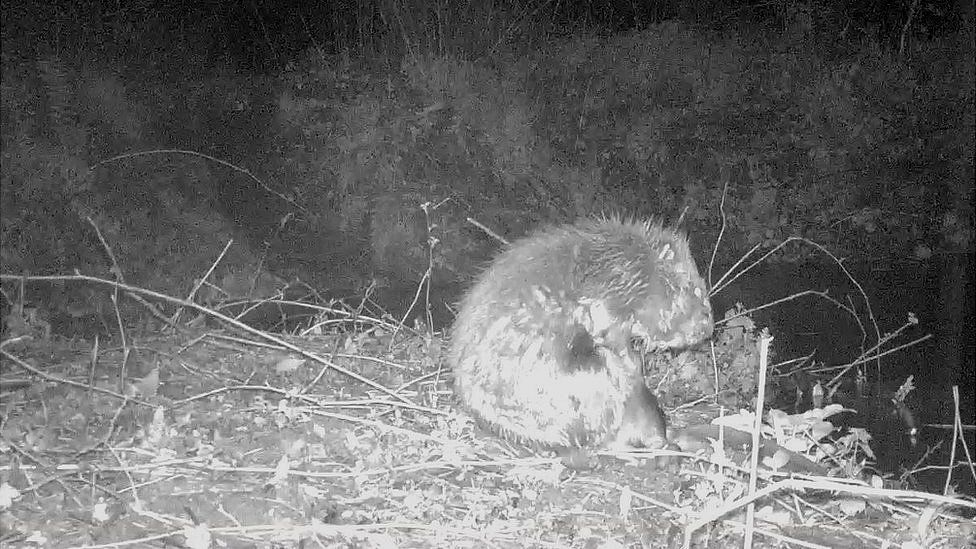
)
(346, 147)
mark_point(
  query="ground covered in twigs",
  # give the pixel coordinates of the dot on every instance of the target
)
(226, 440)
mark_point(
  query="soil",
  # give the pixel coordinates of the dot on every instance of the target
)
(217, 439)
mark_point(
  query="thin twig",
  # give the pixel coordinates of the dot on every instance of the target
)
(207, 157)
(488, 231)
(721, 233)
(203, 280)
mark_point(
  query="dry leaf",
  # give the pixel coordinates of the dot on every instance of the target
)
(147, 386)
(289, 364)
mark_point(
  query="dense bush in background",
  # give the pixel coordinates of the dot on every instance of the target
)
(809, 120)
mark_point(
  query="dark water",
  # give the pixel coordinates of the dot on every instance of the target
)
(813, 324)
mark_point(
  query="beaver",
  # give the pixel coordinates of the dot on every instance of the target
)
(543, 350)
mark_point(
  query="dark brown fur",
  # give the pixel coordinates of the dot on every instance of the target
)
(541, 349)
